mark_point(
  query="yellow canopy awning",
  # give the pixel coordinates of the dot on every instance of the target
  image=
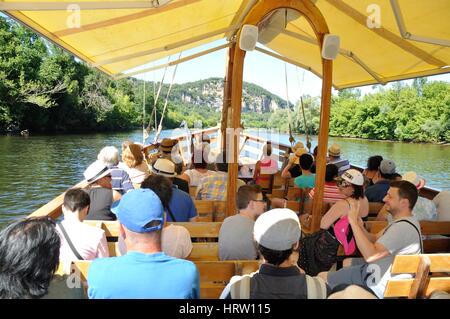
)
(403, 39)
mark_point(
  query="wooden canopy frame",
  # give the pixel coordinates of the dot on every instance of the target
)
(232, 114)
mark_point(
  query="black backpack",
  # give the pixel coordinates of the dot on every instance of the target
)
(318, 252)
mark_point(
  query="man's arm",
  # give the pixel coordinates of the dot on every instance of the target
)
(370, 251)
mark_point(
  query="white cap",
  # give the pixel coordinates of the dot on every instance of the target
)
(277, 229)
(353, 177)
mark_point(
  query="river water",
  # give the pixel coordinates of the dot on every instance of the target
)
(38, 168)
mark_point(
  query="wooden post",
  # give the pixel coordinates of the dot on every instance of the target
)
(321, 160)
(318, 24)
(233, 139)
(224, 123)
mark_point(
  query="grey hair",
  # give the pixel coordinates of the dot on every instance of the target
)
(109, 155)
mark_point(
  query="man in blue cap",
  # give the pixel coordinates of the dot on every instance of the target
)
(145, 271)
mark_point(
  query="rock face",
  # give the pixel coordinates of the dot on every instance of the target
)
(209, 93)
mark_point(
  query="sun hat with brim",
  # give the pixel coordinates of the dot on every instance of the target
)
(95, 171)
(415, 179)
(163, 167)
(334, 150)
(140, 211)
(353, 177)
(167, 145)
(299, 152)
(297, 146)
(277, 229)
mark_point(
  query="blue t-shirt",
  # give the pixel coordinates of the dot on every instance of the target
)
(305, 181)
(143, 276)
(376, 192)
(182, 206)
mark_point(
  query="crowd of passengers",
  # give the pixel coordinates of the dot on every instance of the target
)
(145, 193)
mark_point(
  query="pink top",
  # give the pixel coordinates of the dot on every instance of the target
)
(89, 241)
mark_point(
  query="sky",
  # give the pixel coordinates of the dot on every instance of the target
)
(259, 69)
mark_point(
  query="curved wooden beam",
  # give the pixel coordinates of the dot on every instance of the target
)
(319, 25)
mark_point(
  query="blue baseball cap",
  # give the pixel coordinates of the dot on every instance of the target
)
(137, 209)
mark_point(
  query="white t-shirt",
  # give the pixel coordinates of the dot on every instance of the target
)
(89, 241)
(195, 176)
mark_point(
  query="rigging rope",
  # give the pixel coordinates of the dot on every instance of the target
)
(144, 131)
(308, 141)
(291, 137)
(157, 97)
(167, 100)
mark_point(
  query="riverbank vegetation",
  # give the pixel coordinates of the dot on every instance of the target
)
(44, 89)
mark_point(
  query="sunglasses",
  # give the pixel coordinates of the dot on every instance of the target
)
(342, 183)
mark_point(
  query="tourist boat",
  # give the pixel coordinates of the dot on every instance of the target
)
(117, 36)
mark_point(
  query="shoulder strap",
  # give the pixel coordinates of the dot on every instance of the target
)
(240, 289)
(418, 232)
(72, 247)
(316, 288)
(171, 214)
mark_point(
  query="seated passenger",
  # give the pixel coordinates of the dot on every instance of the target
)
(373, 164)
(100, 193)
(236, 233)
(401, 237)
(136, 166)
(277, 233)
(307, 179)
(87, 242)
(331, 193)
(200, 170)
(442, 202)
(165, 167)
(215, 187)
(180, 207)
(334, 157)
(424, 209)
(266, 165)
(292, 169)
(121, 182)
(386, 174)
(145, 271)
(29, 258)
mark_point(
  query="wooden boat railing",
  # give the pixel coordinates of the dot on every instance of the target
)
(53, 208)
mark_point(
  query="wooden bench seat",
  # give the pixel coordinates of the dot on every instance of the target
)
(431, 273)
(214, 275)
(197, 230)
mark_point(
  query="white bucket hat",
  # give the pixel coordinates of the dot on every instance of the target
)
(95, 171)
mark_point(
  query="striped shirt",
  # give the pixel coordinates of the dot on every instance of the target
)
(342, 165)
(120, 180)
(331, 193)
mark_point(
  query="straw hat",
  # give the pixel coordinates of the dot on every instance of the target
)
(297, 146)
(415, 179)
(334, 150)
(167, 144)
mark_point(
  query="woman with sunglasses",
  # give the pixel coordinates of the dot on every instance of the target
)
(351, 185)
